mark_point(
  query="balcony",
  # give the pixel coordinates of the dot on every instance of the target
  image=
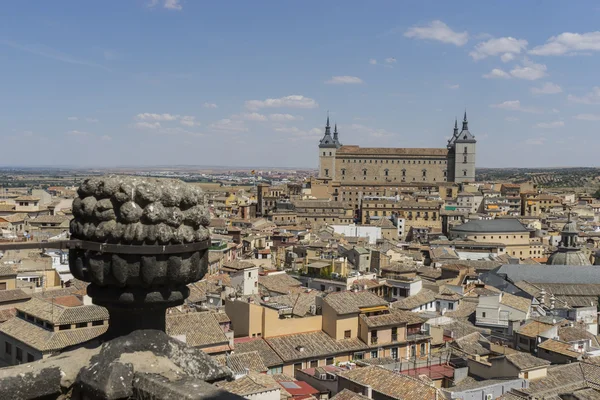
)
(373, 339)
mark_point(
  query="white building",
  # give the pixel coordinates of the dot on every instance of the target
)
(244, 277)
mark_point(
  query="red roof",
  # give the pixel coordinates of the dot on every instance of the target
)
(303, 389)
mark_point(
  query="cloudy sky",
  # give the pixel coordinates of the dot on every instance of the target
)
(249, 83)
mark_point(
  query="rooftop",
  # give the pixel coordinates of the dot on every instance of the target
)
(197, 329)
(349, 302)
(491, 226)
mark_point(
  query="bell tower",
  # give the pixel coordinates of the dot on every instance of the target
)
(327, 149)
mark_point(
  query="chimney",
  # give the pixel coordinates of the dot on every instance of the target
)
(368, 391)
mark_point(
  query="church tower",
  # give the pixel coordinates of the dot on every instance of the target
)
(461, 155)
(327, 148)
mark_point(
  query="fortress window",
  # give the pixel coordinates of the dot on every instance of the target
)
(424, 173)
(326, 172)
(329, 153)
(323, 153)
(464, 172)
(403, 172)
(344, 173)
(387, 172)
(465, 159)
(365, 172)
(445, 173)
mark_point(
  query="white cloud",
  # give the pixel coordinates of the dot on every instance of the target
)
(188, 120)
(173, 5)
(390, 60)
(293, 101)
(507, 47)
(254, 116)
(79, 133)
(497, 73)
(157, 117)
(344, 80)
(92, 120)
(373, 61)
(547, 88)
(455, 86)
(592, 97)
(538, 141)
(283, 117)
(587, 117)
(106, 138)
(514, 105)
(437, 30)
(228, 124)
(550, 125)
(569, 43)
(147, 125)
(529, 70)
(210, 105)
(72, 118)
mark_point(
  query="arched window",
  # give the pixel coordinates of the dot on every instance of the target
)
(403, 172)
(387, 172)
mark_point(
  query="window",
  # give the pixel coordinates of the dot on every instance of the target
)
(413, 350)
(450, 306)
(329, 361)
(387, 172)
(359, 356)
(19, 354)
(275, 370)
(329, 153)
(30, 357)
(326, 172)
(97, 323)
(343, 171)
(297, 366)
(423, 349)
(523, 340)
(483, 315)
(81, 325)
(347, 334)
(464, 172)
(395, 353)
(314, 363)
(424, 173)
(64, 327)
(365, 172)
(374, 354)
(7, 348)
(403, 172)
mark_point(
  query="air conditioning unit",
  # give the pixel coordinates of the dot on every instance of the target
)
(489, 396)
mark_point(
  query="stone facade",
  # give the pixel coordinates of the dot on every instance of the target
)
(393, 166)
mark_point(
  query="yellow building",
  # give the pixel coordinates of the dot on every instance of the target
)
(509, 231)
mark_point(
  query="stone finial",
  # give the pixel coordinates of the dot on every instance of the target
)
(134, 275)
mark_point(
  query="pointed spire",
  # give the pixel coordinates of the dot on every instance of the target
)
(465, 122)
(335, 133)
(327, 127)
(455, 126)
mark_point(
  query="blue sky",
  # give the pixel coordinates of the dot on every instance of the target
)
(241, 83)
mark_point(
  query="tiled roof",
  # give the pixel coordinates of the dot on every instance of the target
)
(560, 379)
(267, 354)
(311, 345)
(559, 347)
(61, 315)
(50, 219)
(251, 384)
(7, 270)
(533, 328)
(221, 317)
(516, 302)
(45, 340)
(400, 151)
(300, 302)
(349, 302)
(238, 362)
(279, 283)
(572, 334)
(13, 295)
(491, 226)
(200, 329)
(7, 314)
(423, 297)
(388, 383)
(27, 198)
(349, 395)
(473, 343)
(238, 265)
(395, 317)
(525, 361)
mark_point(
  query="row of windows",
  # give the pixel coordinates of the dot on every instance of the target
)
(499, 237)
(19, 353)
(402, 180)
(386, 172)
(397, 161)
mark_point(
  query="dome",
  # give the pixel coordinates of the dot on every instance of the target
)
(561, 257)
(570, 227)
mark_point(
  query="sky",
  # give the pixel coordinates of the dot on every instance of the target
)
(250, 83)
